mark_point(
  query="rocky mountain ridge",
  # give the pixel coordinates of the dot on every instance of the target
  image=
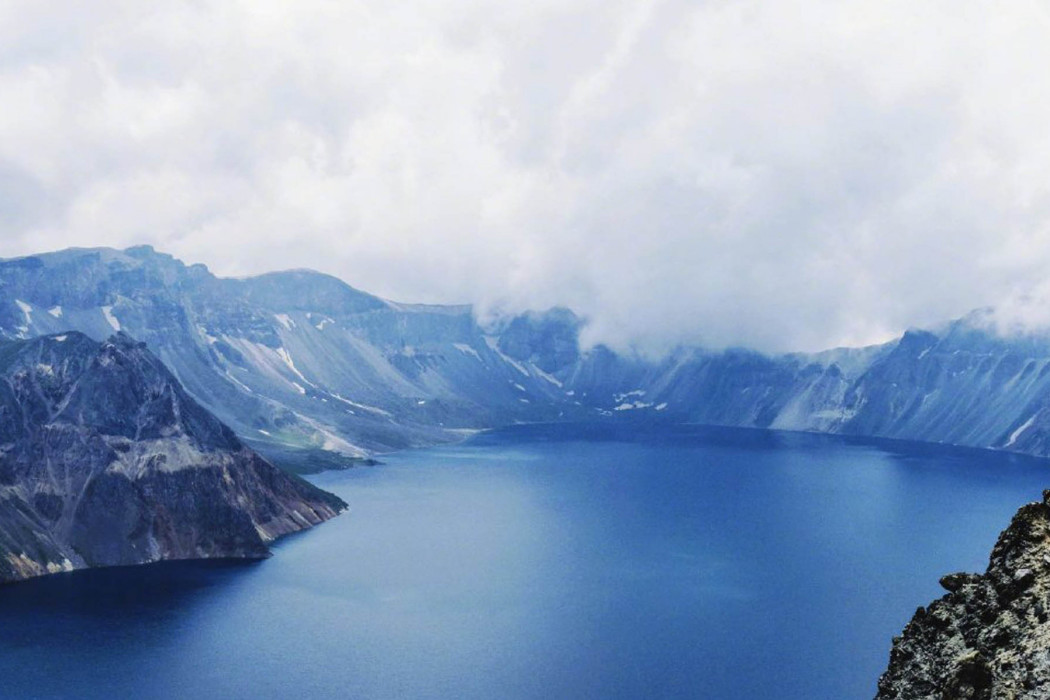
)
(105, 460)
(289, 359)
(301, 362)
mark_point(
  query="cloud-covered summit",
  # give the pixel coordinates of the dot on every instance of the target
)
(788, 175)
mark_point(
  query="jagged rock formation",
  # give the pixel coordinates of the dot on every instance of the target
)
(989, 637)
(105, 460)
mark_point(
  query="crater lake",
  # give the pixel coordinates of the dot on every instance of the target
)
(566, 561)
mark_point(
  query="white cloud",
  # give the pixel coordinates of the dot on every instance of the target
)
(785, 175)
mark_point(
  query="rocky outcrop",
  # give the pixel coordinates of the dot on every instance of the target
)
(105, 460)
(989, 637)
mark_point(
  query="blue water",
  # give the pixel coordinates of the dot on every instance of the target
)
(548, 562)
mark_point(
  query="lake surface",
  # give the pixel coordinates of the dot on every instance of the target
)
(553, 562)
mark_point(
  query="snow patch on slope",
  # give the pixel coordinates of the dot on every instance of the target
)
(544, 375)
(363, 407)
(1020, 431)
(107, 311)
(209, 338)
(268, 361)
(23, 330)
(628, 406)
(291, 365)
(238, 382)
(331, 441)
(467, 350)
(493, 344)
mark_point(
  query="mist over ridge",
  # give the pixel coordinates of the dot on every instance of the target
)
(787, 176)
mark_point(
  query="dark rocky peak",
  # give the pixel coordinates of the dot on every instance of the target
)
(106, 460)
(127, 391)
(122, 342)
(117, 387)
(39, 373)
(915, 342)
(549, 339)
(58, 351)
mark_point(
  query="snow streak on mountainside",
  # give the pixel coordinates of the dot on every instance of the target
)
(293, 358)
(300, 359)
(963, 385)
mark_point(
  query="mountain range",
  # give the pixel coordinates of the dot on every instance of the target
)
(313, 372)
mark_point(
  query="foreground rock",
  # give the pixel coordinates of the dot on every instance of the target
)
(989, 637)
(105, 460)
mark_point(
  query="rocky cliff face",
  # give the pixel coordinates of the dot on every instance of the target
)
(105, 460)
(989, 637)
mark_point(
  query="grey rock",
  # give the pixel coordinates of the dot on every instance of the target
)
(106, 460)
(989, 636)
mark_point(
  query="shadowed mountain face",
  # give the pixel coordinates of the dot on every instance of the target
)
(299, 362)
(105, 460)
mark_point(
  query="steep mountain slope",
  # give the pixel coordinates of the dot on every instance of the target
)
(299, 361)
(963, 384)
(105, 460)
(298, 358)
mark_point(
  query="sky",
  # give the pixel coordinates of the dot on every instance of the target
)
(786, 175)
